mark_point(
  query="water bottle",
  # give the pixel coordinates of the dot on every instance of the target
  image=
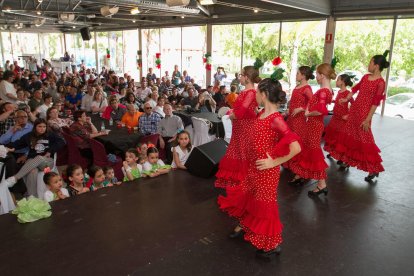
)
(111, 122)
(102, 126)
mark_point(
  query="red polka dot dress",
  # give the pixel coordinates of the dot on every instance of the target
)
(357, 147)
(336, 126)
(254, 201)
(300, 98)
(233, 166)
(310, 162)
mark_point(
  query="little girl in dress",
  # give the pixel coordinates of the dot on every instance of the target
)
(154, 166)
(76, 179)
(98, 178)
(132, 168)
(182, 151)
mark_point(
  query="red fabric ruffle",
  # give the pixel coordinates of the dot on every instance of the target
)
(377, 99)
(282, 147)
(231, 172)
(309, 164)
(364, 156)
(321, 108)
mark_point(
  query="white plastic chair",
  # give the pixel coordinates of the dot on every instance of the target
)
(190, 130)
(227, 123)
(6, 200)
(222, 111)
(201, 135)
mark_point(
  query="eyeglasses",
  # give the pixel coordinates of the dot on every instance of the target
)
(148, 107)
(19, 117)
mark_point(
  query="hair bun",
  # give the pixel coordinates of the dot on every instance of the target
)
(257, 79)
(386, 65)
(312, 77)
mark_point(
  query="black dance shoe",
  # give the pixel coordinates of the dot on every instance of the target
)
(236, 234)
(296, 181)
(371, 176)
(339, 162)
(268, 254)
(343, 166)
(328, 156)
(318, 192)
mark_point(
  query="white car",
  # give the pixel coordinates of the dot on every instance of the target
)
(395, 81)
(400, 106)
(409, 83)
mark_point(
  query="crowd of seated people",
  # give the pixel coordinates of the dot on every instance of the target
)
(37, 105)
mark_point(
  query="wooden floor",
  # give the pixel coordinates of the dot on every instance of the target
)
(171, 226)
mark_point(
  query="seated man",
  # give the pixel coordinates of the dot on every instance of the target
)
(131, 117)
(115, 110)
(168, 129)
(148, 122)
(191, 100)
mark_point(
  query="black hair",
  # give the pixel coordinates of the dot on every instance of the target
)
(48, 176)
(7, 74)
(78, 114)
(93, 170)
(133, 151)
(273, 91)
(107, 169)
(152, 150)
(34, 137)
(307, 72)
(71, 169)
(346, 79)
(381, 61)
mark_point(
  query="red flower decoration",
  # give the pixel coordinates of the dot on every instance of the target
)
(158, 66)
(204, 60)
(276, 61)
(157, 55)
(208, 67)
(108, 56)
(46, 170)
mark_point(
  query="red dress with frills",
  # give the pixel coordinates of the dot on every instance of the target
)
(357, 147)
(233, 166)
(300, 98)
(310, 162)
(336, 126)
(254, 201)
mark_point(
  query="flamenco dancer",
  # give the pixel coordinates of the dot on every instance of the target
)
(357, 146)
(310, 164)
(336, 126)
(254, 201)
(233, 166)
(301, 96)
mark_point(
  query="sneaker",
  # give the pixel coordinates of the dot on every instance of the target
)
(10, 181)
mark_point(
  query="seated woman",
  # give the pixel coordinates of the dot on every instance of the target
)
(99, 103)
(42, 147)
(130, 99)
(54, 122)
(83, 129)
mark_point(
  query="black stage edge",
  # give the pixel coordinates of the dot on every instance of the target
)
(171, 226)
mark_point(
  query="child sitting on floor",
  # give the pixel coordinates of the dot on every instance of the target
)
(142, 150)
(54, 184)
(76, 179)
(97, 178)
(154, 166)
(182, 150)
(131, 167)
(110, 176)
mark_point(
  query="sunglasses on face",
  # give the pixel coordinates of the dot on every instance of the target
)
(148, 107)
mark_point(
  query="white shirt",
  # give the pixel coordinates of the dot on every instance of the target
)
(182, 155)
(7, 88)
(87, 102)
(49, 196)
(148, 167)
(99, 105)
(159, 110)
(139, 166)
(143, 93)
(43, 109)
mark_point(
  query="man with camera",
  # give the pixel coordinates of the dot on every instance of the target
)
(220, 75)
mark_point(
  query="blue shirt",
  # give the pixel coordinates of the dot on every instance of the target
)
(73, 100)
(148, 124)
(10, 137)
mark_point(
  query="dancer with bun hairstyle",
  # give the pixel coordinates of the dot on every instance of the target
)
(233, 166)
(357, 146)
(254, 201)
(336, 126)
(310, 164)
(301, 96)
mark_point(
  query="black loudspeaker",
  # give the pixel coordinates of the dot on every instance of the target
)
(203, 160)
(86, 35)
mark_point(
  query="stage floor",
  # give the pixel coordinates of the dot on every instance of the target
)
(171, 226)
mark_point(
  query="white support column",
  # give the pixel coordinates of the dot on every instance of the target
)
(280, 39)
(329, 40)
(394, 28)
(96, 53)
(209, 50)
(140, 49)
(2, 52)
(242, 48)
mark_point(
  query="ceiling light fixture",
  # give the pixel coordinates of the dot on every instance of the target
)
(135, 10)
(256, 10)
(74, 27)
(39, 12)
(108, 11)
(133, 21)
(208, 2)
(182, 16)
(40, 1)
